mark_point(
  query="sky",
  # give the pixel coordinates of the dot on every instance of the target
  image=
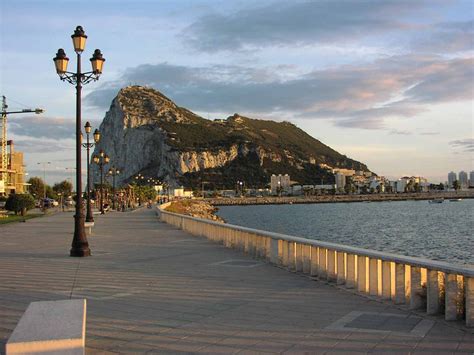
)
(388, 83)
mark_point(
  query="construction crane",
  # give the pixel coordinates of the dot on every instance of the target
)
(4, 167)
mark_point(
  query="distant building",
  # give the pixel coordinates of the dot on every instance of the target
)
(345, 172)
(279, 183)
(180, 192)
(471, 179)
(451, 178)
(340, 181)
(463, 182)
(401, 184)
(14, 171)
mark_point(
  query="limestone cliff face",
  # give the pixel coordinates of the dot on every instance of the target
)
(135, 142)
(145, 132)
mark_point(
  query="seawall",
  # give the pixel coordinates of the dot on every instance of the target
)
(276, 200)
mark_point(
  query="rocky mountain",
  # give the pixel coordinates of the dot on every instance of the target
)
(145, 132)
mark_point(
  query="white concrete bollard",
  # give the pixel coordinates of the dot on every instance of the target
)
(298, 257)
(432, 292)
(469, 282)
(331, 265)
(399, 283)
(373, 277)
(314, 260)
(50, 327)
(351, 271)
(362, 274)
(280, 252)
(416, 300)
(451, 297)
(292, 256)
(322, 267)
(386, 279)
(307, 259)
(285, 245)
(341, 268)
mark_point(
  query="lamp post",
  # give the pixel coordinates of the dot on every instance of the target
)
(101, 160)
(88, 145)
(113, 171)
(44, 163)
(80, 246)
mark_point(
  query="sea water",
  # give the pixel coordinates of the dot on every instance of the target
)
(437, 231)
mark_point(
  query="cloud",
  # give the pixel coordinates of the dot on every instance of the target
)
(298, 23)
(429, 133)
(42, 146)
(51, 128)
(400, 132)
(447, 37)
(352, 95)
(466, 145)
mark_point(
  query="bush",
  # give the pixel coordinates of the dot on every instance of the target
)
(20, 203)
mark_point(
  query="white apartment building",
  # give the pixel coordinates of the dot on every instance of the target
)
(471, 179)
(451, 178)
(401, 184)
(340, 181)
(463, 182)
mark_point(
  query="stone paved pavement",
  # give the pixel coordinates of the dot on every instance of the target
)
(153, 288)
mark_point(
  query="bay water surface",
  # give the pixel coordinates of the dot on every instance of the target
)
(443, 231)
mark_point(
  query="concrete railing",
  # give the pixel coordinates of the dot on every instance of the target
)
(431, 286)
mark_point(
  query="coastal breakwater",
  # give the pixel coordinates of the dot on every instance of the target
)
(424, 285)
(276, 200)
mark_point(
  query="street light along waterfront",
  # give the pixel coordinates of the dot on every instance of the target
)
(80, 246)
(44, 163)
(88, 146)
(113, 171)
(101, 160)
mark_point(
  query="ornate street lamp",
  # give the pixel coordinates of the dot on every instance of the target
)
(80, 246)
(113, 171)
(88, 145)
(101, 160)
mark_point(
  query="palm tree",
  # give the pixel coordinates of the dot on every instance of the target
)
(456, 185)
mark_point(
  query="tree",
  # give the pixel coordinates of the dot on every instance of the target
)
(441, 186)
(36, 187)
(20, 203)
(63, 187)
(348, 188)
(456, 185)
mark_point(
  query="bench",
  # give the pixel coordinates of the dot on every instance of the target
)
(88, 226)
(50, 327)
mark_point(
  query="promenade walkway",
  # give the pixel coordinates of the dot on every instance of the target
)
(153, 288)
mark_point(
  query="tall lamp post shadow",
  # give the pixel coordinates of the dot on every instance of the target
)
(101, 160)
(80, 245)
(88, 145)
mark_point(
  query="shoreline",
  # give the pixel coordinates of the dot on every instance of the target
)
(274, 200)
